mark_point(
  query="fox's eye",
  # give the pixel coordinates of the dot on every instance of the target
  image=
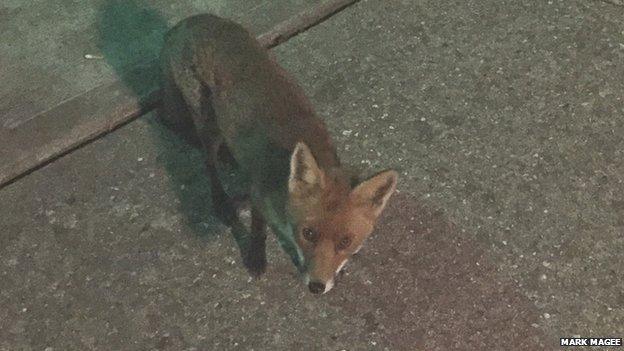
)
(344, 243)
(310, 234)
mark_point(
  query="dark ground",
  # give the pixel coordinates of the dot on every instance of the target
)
(505, 120)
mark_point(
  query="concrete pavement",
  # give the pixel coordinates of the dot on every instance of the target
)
(505, 120)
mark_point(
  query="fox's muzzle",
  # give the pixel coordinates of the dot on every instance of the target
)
(316, 287)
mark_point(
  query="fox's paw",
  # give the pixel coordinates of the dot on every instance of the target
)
(227, 208)
(256, 263)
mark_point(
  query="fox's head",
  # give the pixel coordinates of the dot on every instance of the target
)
(331, 218)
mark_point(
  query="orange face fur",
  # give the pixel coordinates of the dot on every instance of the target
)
(332, 220)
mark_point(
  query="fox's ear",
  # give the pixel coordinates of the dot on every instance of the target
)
(305, 174)
(373, 193)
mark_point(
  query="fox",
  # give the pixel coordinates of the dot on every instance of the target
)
(221, 86)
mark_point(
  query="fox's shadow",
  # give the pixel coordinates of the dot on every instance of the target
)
(130, 37)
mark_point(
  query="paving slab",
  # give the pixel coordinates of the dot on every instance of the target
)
(43, 58)
(129, 34)
(75, 70)
(114, 247)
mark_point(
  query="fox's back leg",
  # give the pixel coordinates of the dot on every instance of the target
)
(196, 98)
(173, 111)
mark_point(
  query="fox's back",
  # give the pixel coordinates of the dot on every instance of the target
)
(261, 112)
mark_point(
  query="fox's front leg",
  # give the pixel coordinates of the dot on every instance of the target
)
(255, 258)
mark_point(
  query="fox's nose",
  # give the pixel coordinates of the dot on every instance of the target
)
(316, 287)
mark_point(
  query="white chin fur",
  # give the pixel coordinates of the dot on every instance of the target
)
(340, 267)
(328, 286)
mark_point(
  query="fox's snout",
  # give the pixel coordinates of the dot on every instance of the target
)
(316, 287)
